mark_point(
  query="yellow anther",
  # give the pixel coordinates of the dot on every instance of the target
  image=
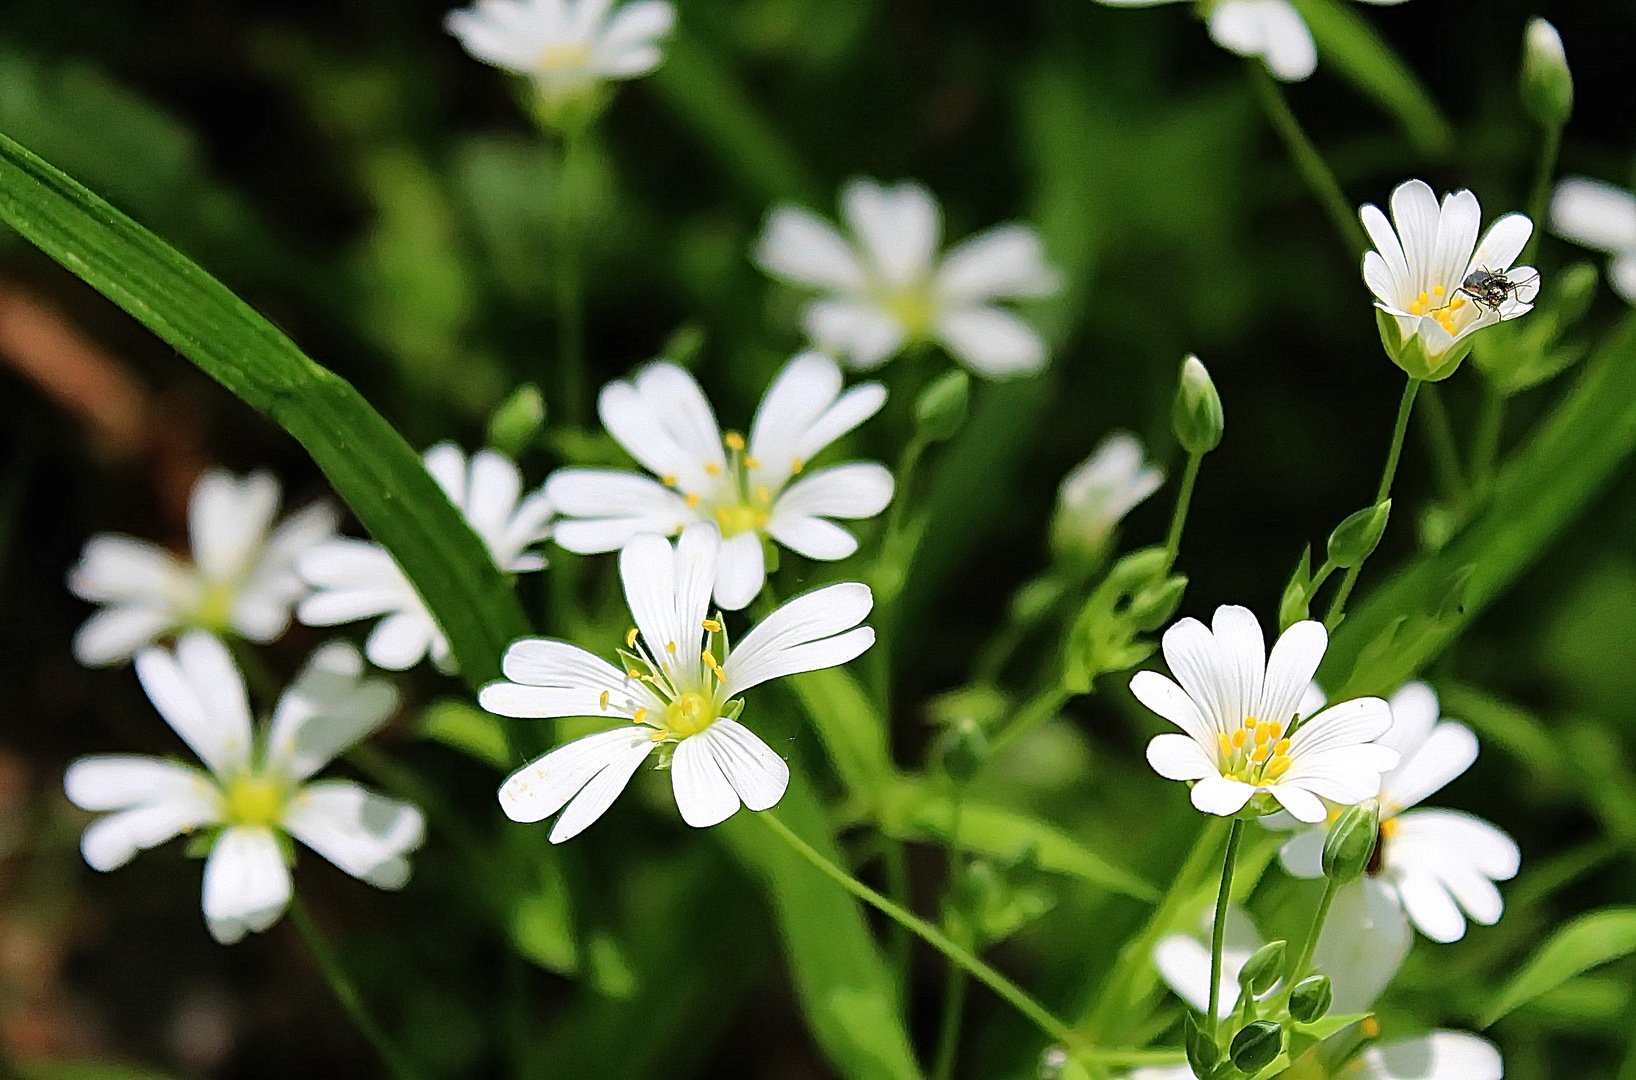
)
(692, 500)
(1250, 722)
(1263, 735)
(1370, 1026)
(733, 441)
(603, 700)
(712, 625)
(638, 716)
(1275, 729)
(763, 495)
(1277, 767)
(670, 647)
(1388, 827)
(669, 480)
(712, 468)
(713, 664)
(1240, 737)
(659, 735)
(1225, 744)
(1438, 290)
(796, 465)
(634, 674)
(630, 638)
(751, 462)
(1281, 747)
(1457, 303)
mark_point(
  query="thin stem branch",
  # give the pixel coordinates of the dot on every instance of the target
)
(1218, 935)
(346, 992)
(1485, 451)
(1445, 451)
(1540, 197)
(1184, 501)
(1308, 162)
(1303, 960)
(570, 359)
(954, 990)
(891, 571)
(1405, 407)
(1034, 712)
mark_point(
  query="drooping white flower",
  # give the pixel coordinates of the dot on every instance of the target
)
(568, 47)
(357, 579)
(679, 689)
(1100, 491)
(253, 791)
(884, 287)
(241, 580)
(1439, 866)
(1603, 217)
(1240, 710)
(1419, 268)
(748, 489)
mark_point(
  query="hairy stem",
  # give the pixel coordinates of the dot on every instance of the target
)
(1218, 934)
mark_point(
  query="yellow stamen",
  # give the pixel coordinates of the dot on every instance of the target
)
(712, 625)
(634, 674)
(630, 638)
(796, 465)
(638, 716)
(751, 462)
(1263, 735)
(1388, 827)
(669, 480)
(1277, 767)
(692, 500)
(670, 647)
(603, 701)
(734, 441)
(1239, 738)
(712, 468)
(1225, 744)
(659, 735)
(1281, 747)
(1250, 722)
(1370, 1026)
(1438, 290)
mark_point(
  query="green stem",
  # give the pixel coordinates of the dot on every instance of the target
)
(1445, 449)
(1184, 500)
(954, 990)
(1303, 960)
(570, 358)
(1540, 198)
(1034, 712)
(346, 992)
(1218, 934)
(1485, 451)
(957, 954)
(1404, 408)
(1308, 162)
(892, 568)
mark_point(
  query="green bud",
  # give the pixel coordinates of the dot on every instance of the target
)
(1410, 353)
(1195, 415)
(1203, 1055)
(1351, 842)
(1153, 606)
(1256, 1045)
(941, 407)
(684, 345)
(1547, 84)
(1355, 538)
(1573, 290)
(1310, 999)
(1295, 604)
(1262, 970)
(1139, 569)
(518, 421)
(963, 749)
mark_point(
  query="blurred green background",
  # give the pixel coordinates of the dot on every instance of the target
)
(351, 172)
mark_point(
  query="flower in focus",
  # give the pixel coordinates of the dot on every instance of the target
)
(241, 582)
(1245, 734)
(1426, 269)
(747, 488)
(357, 579)
(884, 287)
(1100, 491)
(1439, 866)
(678, 689)
(250, 797)
(568, 48)
(1603, 217)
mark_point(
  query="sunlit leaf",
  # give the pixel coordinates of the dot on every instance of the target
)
(1587, 942)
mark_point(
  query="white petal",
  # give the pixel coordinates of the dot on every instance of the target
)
(1414, 713)
(110, 842)
(1195, 660)
(200, 693)
(1268, 29)
(116, 634)
(1435, 839)
(1364, 942)
(802, 248)
(118, 781)
(1177, 757)
(758, 775)
(1301, 803)
(699, 550)
(635, 502)
(356, 829)
(798, 632)
(1502, 243)
(1349, 723)
(1458, 220)
(1242, 660)
(246, 884)
(1446, 753)
(1294, 660)
(663, 420)
(114, 569)
(1184, 964)
(1220, 796)
(1594, 214)
(1430, 907)
(1622, 276)
(676, 399)
(647, 569)
(1173, 703)
(228, 521)
(1442, 1055)
(545, 785)
(863, 335)
(1006, 261)
(855, 490)
(1415, 212)
(704, 795)
(741, 571)
(1377, 274)
(558, 665)
(898, 228)
(813, 537)
(329, 708)
(993, 343)
(797, 397)
(402, 640)
(637, 24)
(595, 797)
(447, 464)
(1384, 237)
(1302, 854)
(494, 487)
(529, 524)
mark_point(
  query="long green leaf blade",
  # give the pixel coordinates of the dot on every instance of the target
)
(1589, 941)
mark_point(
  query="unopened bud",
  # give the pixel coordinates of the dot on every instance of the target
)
(1351, 842)
(963, 749)
(1203, 1055)
(1153, 606)
(517, 422)
(1256, 1045)
(941, 407)
(1196, 415)
(1296, 602)
(1354, 539)
(1547, 84)
(1311, 998)
(1261, 971)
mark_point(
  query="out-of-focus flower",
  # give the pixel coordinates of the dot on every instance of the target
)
(1435, 283)
(1603, 217)
(250, 797)
(1245, 735)
(1101, 490)
(679, 690)
(357, 579)
(749, 489)
(1439, 866)
(242, 580)
(885, 287)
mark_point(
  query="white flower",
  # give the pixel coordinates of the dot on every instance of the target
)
(1603, 217)
(1435, 864)
(663, 420)
(1418, 272)
(1100, 491)
(253, 795)
(241, 581)
(677, 690)
(1240, 709)
(357, 579)
(566, 46)
(885, 287)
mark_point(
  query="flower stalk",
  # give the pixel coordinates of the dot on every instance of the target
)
(1405, 407)
(346, 992)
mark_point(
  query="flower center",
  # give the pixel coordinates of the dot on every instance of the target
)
(912, 307)
(564, 59)
(214, 611)
(254, 800)
(690, 714)
(1257, 752)
(737, 504)
(689, 682)
(1436, 304)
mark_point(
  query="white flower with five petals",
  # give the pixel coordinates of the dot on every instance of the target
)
(568, 47)
(886, 287)
(242, 579)
(1100, 491)
(251, 795)
(1603, 217)
(750, 489)
(679, 689)
(357, 579)
(1245, 735)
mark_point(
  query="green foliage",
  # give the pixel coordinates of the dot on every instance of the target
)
(1589, 941)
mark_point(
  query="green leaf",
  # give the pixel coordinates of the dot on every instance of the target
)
(852, 730)
(1588, 941)
(369, 464)
(917, 810)
(467, 729)
(844, 986)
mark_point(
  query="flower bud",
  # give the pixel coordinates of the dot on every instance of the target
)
(1311, 998)
(941, 407)
(1153, 606)
(1547, 84)
(1097, 495)
(1261, 971)
(1296, 602)
(1355, 538)
(1202, 1052)
(518, 421)
(963, 749)
(1256, 1045)
(1196, 415)
(1351, 842)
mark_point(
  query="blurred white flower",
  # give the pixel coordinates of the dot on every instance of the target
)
(242, 579)
(1439, 866)
(1100, 491)
(1419, 270)
(1245, 735)
(251, 796)
(885, 287)
(1603, 217)
(745, 488)
(679, 687)
(357, 579)
(568, 47)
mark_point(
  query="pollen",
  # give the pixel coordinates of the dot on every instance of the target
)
(712, 468)
(796, 465)
(638, 716)
(670, 647)
(733, 441)
(630, 638)
(632, 673)
(1438, 290)
(603, 701)
(692, 500)
(712, 625)
(751, 462)
(669, 479)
